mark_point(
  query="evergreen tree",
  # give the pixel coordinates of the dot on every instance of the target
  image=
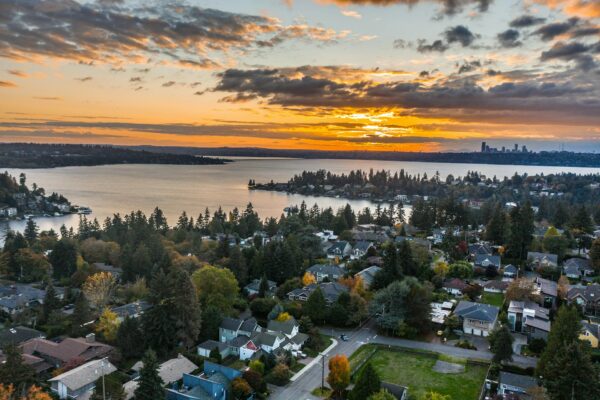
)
(211, 320)
(408, 265)
(150, 383)
(63, 258)
(367, 383)
(263, 287)
(14, 371)
(316, 307)
(31, 231)
(561, 216)
(565, 331)
(129, 335)
(501, 344)
(113, 388)
(51, 302)
(497, 227)
(81, 315)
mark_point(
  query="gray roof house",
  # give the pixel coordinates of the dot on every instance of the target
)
(548, 290)
(576, 268)
(509, 383)
(330, 271)
(170, 371)
(131, 310)
(542, 260)
(80, 381)
(486, 260)
(331, 291)
(477, 319)
(586, 297)
(510, 272)
(529, 318)
(360, 249)
(18, 335)
(368, 275)
(339, 249)
(253, 288)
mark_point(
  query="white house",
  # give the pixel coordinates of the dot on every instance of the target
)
(81, 381)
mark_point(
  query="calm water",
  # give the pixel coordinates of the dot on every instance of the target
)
(175, 188)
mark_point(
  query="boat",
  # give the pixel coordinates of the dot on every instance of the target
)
(84, 210)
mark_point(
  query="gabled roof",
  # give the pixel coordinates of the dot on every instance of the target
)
(171, 370)
(547, 287)
(212, 344)
(131, 309)
(231, 324)
(68, 349)
(590, 294)
(368, 274)
(542, 258)
(326, 269)
(363, 245)
(455, 283)
(249, 325)
(593, 329)
(477, 311)
(511, 269)
(480, 248)
(486, 260)
(499, 285)
(519, 381)
(285, 327)
(85, 374)
(18, 335)
(338, 247)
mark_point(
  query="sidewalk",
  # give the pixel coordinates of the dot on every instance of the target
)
(316, 360)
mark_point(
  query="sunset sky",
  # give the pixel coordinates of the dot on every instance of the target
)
(407, 75)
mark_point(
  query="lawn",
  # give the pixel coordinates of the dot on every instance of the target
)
(495, 299)
(416, 372)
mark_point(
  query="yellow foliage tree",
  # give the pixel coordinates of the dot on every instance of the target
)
(441, 268)
(284, 316)
(308, 279)
(108, 325)
(339, 373)
(98, 289)
(34, 393)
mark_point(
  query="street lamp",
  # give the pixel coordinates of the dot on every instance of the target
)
(323, 355)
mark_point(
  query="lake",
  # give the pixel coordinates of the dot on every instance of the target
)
(176, 188)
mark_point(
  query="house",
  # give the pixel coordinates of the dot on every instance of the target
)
(495, 286)
(170, 371)
(369, 235)
(331, 291)
(586, 297)
(81, 381)
(576, 268)
(114, 271)
(204, 349)
(455, 286)
(326, 236)
(330, 272)
(59, 354)
(591, 333)
(542, 260)
(361, 248)
(131, 310)
(18, 297)
(368, 275)
(231, 328)
(17, 335)
(479, 248)
(510, 272)
(441, 311)
(476, 318)
(486, 261)
(548, 290)
(291, 330)
(509, 383)
(253, 288)
(339, 249)
(213, 384)
(414, 240)
(529, 318)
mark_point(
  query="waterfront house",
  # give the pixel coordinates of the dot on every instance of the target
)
(81, 381)
(477, 319)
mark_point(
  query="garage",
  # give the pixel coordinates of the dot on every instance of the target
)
(477, 332)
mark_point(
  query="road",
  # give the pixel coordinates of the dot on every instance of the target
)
(311, 379)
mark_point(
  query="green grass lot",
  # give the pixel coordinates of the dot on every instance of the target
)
(416, 372)
(495, 299)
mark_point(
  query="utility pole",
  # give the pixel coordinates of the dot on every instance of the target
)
(322, 372)
(103, 385)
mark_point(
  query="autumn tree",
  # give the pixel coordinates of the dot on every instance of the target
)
(216, 287)
(108, 324)
(7, 392)
(521, 289)
(339, 374)
(98, 289)
(308, 279)
(240, 388)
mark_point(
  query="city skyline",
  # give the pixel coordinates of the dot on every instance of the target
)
(404, 75)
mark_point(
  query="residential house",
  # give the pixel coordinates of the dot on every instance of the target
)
(328, 272)
(59, 354)
(368, 275)
(81, 381)
(18, 335)
(205, 348)
(529, 318)
(495, 286)
(414, 240)
(213, 384)
(361, 248)
(170, 372)
(586, 297)
(441, 311)
(340, 249)
(291, 329)
(548, 290)
(253, 288)
(479, 248)
(369, 235)
(18, 297)
(114, 271)
(131, 310)
(455, 286)
(510, 273)
(487, 261)
(509, 383)
(477, 319)
(331, 291)
(542, 260)
(231, 328)
(577, 268)
(591, 333)
(326, 236)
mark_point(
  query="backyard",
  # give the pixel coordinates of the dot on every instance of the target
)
(416, 371)
(494, 299)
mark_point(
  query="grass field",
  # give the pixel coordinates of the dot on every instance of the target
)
(495, 299)
(416, 372)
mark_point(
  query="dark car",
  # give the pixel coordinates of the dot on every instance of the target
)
(344, 337)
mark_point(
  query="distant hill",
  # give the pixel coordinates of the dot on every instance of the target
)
(545, 158)
(31, 155)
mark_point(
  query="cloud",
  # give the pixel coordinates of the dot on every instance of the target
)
(135, 79)
(168, 84)
(48, 98)
(435, 46)
(351, 14)
(580, 8)
(448, 7)
(509, 38)
(550, 31)
(469, 66)
(573, 51)
(17, 73)
(84, 79)
(457, 34)
(7, 84)
(114, 33)
(526, 21)
(460, 34)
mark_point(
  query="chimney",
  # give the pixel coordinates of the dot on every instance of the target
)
(90, 338)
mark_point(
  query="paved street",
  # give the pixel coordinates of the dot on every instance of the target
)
(301, 388)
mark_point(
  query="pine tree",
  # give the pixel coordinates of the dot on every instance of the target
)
(316, 306)
(150, 383)
(14, 371)
(407, 263)
(501, 344)
(51, 302)
(129, 336)
(81, 315)
(367, 383)
(565, 331)
(113, 388)
(31, 231)
(263, 287)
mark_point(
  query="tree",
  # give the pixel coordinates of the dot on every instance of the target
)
(497, 228)
(308, 279)
(263, 287)
(211, 320)
(13, 371)
(367, 383)
(111, 388)
(33, 266)
(150, 383)
(595, 255)
(461, 270)
(501, 344)
(217, 287)
(240, 388)
(565, 331)
(521, 289)
(441, 268)
(406, 262)
(63, 258)
(7, 392)
(108, 324)
(31, 231)
(81, 315)
(255, 380)
(521, 230)
(434, 396)
(98, 289)
(51, 302)
(316, 306)
(339, 374)
(563, 287)
(128, 338)
(383, 394)
(215, 355)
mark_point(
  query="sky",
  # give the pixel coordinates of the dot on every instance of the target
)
(372, 75)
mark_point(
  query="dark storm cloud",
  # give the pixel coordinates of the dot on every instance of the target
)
(550, 31)
(526, 21)
(448, 7)
(573, 51)
(111, 32)
(509, 38)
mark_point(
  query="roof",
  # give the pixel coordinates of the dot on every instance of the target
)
(326, 269)
(547, 287)
(511, 269)
(231, 324)
(542, 258)
(520, 306)
(286, 327)
(486, 260)
(538, 323)
(589, 293)
(68, 349)
(131, 309)
(582, 264)
(108, 268)
(500, 285)
(477, 311)
(480, 248)
(212, 344)
(363, 245)
(171, 370)
(368, 274)
(299, 338)
(18, 335)
(338, 247)
(593, 329)
(249, 325)
(520, 381)
(455, 283)
(85, 374)
(266, 338)
(255, 285)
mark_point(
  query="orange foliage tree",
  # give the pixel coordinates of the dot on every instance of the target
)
(339, 374)
(308, 279)
(34, 393)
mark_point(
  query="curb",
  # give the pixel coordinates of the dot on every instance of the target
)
(314, 361)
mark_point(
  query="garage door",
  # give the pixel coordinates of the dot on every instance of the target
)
(477, 332)
(469, 331)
